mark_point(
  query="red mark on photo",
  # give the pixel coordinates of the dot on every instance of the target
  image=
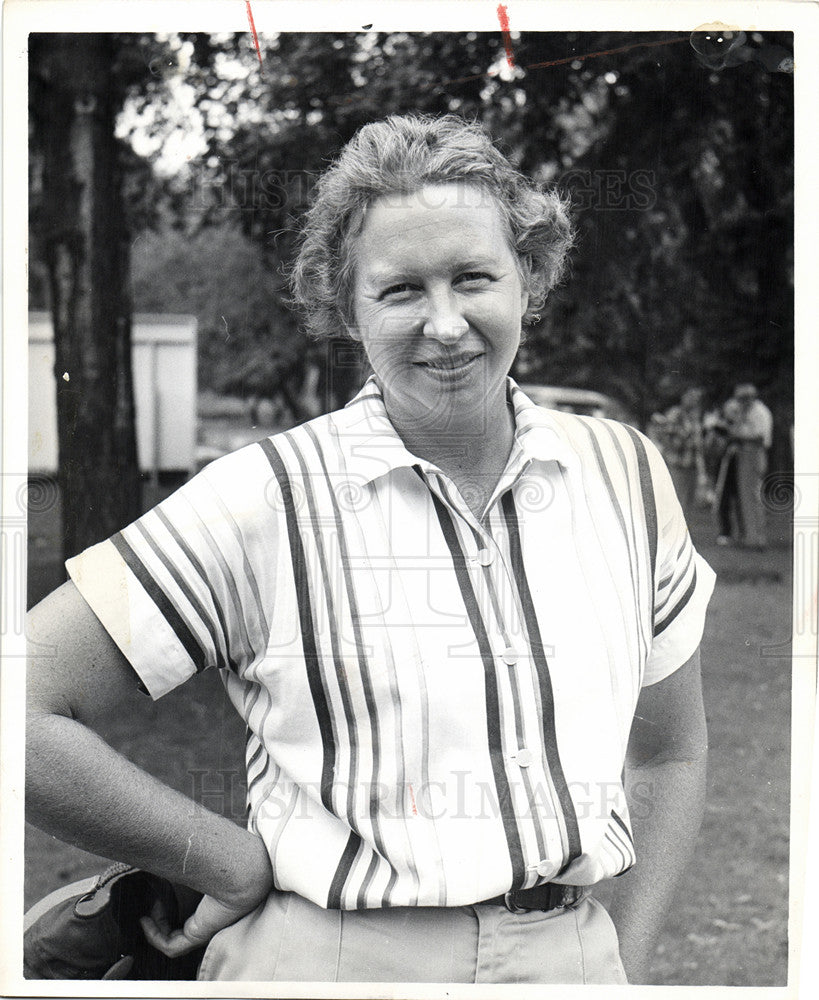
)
(579, 58)
(608, 52)
(503, 17)
(253, 29)
(412, 796)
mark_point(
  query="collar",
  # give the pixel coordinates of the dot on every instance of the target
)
(538, 431)
(374, 448)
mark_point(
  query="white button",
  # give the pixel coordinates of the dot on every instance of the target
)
(545, 868)
(485, 557)
(523, 757)
(510, 655)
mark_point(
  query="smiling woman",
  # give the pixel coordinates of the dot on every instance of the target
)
(400, 156)
(438, 304)
(439, 612)
(431, 250)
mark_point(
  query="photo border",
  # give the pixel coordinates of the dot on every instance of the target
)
(23, 16)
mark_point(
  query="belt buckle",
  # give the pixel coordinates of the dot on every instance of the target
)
(511, 906)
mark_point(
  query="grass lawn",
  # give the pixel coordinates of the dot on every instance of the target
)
(728, 925)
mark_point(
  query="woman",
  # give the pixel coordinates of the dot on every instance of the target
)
(445, 614)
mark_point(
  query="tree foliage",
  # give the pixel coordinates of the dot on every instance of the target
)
(676, 149)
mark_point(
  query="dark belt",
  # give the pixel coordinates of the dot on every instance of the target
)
(550, 896)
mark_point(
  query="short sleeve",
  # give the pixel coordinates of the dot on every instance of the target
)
(683, 582)
(187, 586)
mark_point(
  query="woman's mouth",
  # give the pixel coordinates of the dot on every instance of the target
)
(451, 365)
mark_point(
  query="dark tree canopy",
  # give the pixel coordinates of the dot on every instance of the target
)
(679, 161)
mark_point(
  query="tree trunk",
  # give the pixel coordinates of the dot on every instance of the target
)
(84, 239)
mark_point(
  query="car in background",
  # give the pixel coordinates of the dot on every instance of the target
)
(586, 402)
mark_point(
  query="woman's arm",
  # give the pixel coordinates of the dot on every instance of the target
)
(665, 783)
(81, 790)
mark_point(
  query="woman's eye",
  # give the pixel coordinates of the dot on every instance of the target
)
(397, 290)
(473, 277)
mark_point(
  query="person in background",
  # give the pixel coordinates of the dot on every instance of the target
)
(751, 435)
(682, 446)
(655, 429)
(723, 451)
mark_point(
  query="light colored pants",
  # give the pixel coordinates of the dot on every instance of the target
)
(751, 466)
(289, 939)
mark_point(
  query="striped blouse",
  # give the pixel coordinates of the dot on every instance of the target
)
(437, 706)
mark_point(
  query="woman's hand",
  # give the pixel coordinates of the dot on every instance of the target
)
(212, 915)
(209, 917)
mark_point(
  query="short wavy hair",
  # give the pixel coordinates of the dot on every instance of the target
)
(402, 154)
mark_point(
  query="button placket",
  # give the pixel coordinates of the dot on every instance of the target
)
(485, 556)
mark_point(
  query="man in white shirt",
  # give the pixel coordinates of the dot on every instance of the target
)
(752, 436)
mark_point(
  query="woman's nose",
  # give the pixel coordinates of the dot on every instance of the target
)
(444, 321)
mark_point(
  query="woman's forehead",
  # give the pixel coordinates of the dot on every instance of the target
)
(432, 223)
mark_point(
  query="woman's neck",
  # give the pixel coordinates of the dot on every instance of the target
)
(472, 454)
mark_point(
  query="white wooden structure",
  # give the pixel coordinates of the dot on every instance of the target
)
(164, 362)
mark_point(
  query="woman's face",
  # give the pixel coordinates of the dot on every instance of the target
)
(438, 302)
